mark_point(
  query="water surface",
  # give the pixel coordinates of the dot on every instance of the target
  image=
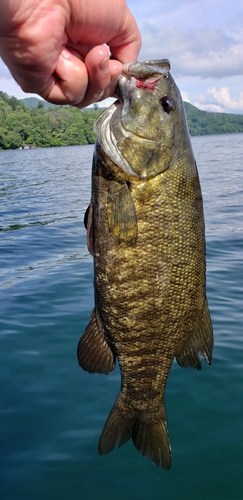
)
(52, 412)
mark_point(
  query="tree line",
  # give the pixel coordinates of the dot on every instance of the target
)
(69, 126)
(56, 126)
(209, 123)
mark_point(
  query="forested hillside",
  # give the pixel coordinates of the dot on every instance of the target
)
(207, 123)
(66, 126)
(57, 126)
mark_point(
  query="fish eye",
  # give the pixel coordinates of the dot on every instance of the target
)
(168, 104)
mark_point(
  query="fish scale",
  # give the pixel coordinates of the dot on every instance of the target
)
(145, 230)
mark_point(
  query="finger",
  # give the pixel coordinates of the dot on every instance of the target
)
(128, 51)
(103, 75)
(69, 83)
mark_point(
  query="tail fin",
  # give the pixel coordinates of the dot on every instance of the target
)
(149, 436)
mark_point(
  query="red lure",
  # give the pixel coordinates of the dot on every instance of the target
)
(146, 84)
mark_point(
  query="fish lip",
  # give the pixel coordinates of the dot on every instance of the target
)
(147, 68)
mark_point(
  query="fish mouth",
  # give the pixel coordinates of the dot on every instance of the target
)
(147, 69)
(110, 131)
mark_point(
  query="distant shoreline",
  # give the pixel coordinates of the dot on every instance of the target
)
(34, 123)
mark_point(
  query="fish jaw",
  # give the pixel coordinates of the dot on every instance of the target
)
(147, 69)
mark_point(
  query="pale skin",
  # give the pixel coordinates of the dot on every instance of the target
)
(55, 48)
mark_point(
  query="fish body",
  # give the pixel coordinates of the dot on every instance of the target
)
(145, 230)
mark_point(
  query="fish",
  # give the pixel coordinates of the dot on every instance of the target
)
(146, 232)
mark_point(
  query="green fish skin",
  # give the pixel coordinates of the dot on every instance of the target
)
(145, 229)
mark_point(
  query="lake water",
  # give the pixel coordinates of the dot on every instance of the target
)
(51, 411)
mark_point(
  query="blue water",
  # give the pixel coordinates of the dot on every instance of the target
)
(52, 412)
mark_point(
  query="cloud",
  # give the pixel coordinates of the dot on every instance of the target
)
(216, 108)
(185, 96)
(222, 95)
(196, 14)
(220, 100)
(204, 52)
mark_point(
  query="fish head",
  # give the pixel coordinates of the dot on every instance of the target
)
(145, 130)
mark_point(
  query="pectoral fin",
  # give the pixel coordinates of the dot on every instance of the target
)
(121, 213)
(200, 342)
(94, 353)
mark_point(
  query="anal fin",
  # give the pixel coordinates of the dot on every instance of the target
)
(94, 353)
(201, 341)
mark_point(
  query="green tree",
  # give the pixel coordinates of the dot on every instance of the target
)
(66, 125)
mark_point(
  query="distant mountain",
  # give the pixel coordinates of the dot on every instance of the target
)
(35, 102)
(33, 121)
(199, 122)
(207, 123)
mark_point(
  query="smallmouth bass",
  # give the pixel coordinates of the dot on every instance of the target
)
(145, 229)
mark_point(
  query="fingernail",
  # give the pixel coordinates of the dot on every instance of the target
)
(114, 81)
(65, 53)
(99, 97)
(104, 65)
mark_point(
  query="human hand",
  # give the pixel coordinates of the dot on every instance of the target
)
(55, 48)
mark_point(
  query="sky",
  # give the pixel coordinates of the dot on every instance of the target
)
(203, 39)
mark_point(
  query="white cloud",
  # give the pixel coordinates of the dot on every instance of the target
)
(220, 100)
(205, 52)
(185, 96)
(223, 97)
(216, 108)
